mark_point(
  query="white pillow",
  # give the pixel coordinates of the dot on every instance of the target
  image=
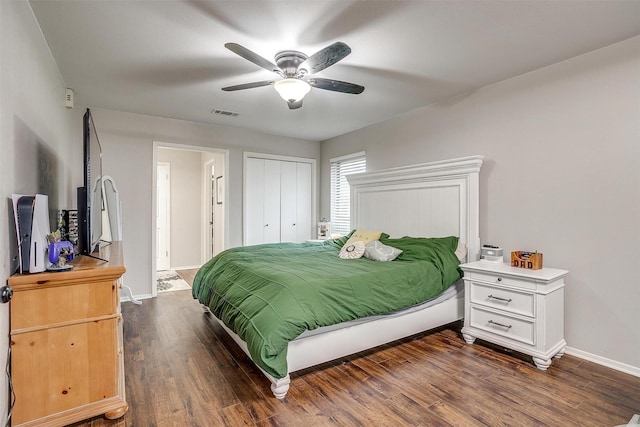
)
(353, 250)
(461, 251)
(378, 251)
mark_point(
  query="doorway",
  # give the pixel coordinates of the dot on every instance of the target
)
(196, 217)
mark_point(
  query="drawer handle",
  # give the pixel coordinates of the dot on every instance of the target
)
(499, 279)
(500, 324)
(500, 299)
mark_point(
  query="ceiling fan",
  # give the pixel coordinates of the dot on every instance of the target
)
(294, 67)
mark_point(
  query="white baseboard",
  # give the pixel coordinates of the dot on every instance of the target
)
(618, 366)
(138, 297)
(187, 267)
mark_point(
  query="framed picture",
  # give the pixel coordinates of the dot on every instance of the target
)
(219, 190)
(324, 229)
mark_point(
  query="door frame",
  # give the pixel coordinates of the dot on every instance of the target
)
(154, 201)
(209, 209)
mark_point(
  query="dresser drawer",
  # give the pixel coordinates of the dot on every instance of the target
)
(501, 280)
(47, 305)
(502, 298)
(79, 362)
(503, 325)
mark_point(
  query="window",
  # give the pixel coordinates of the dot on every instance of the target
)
(340, 194)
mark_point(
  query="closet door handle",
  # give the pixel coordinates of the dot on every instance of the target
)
(266, 225)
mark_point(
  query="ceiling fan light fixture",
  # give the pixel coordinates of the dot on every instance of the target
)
(292, 89)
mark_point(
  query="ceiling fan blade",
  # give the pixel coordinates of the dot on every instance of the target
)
(294, 105)
(336, 86)
(252, 57)
(248, 85)
(325, 58)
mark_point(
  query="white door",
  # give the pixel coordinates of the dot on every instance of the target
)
(271, 201)
(254, 202)
(304, 228)
(278, 201)
(162, 216)
(288, 205)
(295, 198)
(262, 201)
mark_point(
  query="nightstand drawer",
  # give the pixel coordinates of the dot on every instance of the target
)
(501, 280)
(503, 325)
(504, 299)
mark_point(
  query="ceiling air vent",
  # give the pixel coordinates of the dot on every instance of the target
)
(224, 113)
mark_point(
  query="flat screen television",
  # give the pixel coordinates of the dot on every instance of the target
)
(90, 198)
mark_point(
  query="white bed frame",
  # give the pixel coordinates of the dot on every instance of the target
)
(432, 200)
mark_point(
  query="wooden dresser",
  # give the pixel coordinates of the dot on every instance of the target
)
(67, 361)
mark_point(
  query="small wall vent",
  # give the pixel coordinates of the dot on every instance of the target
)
(224, 113)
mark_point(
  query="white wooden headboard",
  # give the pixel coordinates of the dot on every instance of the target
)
(434, 199)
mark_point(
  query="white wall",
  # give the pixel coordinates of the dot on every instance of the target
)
(186, 205)
(561, 175)
(127, 143)
(35, 137)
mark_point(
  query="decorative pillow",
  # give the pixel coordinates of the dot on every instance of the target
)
(353, 250)
(364, 236)
(377, 251)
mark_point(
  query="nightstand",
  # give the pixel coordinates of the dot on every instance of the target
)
(516, 308)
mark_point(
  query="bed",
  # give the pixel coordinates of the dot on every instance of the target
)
(431, 201)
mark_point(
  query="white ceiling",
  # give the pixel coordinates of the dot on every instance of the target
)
(167, 58)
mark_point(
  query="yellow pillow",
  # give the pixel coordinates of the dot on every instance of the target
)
(364, 236)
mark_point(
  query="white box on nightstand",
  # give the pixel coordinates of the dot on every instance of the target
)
(491, 253)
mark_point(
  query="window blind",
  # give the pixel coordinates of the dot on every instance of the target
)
(340, 194)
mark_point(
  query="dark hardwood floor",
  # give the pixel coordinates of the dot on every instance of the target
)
(183, 370)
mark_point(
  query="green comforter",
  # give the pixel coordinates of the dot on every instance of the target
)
(269, 294)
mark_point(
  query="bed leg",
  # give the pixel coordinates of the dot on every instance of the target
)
(280, 387)
(206, 309)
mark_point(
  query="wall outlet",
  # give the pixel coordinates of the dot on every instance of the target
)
(68, 98)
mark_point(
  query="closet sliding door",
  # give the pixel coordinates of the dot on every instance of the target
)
(279, 199)
(304, 225)
(288, 197)
(262, 201)
(295, 201)
(272, 195)
(254, 202)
